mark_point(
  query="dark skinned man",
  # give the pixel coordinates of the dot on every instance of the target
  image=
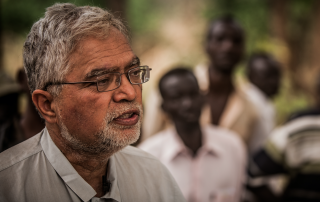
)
(226, 106)
(207, 162)
(10, 132)
(264, 74)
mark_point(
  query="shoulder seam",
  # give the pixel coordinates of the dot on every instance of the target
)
(21, 160)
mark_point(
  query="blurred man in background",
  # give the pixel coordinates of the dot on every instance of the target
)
(207, 162)
(15, 127)
(30, 122)
(10, 131)
(226, 106)
(264, 75)
(293, 150)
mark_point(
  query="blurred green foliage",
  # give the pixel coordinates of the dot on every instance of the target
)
(18, 15)
(143, 15)
(287, 102)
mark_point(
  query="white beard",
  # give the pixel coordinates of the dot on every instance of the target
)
(110, 138)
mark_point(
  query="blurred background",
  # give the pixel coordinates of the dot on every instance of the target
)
(165, 33)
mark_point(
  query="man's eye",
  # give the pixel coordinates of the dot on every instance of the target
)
(105, 81)
(136, 73)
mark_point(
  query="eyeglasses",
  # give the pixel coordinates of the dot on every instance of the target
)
(112, 81)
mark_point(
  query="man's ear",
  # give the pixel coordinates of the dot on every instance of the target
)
(43, 100)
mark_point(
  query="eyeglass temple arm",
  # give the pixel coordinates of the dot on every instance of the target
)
(59, 83)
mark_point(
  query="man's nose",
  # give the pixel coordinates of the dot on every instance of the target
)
(227, 45)
(126, 91)
(186, 102)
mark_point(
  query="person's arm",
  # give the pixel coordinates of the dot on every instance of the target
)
(267, 161)
(264, 164)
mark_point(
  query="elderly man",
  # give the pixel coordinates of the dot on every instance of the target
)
(86, 83)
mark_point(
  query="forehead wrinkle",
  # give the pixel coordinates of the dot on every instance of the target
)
(97, 50)
(87, 63)
(106, 56)
(107, 48)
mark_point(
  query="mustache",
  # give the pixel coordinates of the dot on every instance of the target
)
(127, 107)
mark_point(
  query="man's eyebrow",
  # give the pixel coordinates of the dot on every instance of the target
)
(101, 71)
(98, 72)
(135, 62)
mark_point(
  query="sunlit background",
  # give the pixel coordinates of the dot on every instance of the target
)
(166, 33)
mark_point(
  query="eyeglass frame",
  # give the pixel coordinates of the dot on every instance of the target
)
(96, 82)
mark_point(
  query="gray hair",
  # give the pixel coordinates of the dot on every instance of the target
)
(53, 39)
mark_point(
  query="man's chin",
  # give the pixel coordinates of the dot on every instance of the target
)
(121, 135)
(126, 135)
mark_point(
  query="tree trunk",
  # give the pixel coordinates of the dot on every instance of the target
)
(293, 32)
(278, 14)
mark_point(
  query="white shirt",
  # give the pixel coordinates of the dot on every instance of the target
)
(265, 113)
(37, 171)
(217, 171)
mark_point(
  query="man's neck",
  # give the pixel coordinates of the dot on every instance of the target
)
(90, 167)
(191, 135)
(91, 170)
(220, 82)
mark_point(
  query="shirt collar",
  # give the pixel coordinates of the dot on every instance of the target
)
(112, 178)
(175, 146)
(71, 177)
(211, 140)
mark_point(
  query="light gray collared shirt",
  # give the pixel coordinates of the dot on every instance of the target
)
(36, 170)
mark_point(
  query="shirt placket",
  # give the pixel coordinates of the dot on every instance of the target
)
(195, 179)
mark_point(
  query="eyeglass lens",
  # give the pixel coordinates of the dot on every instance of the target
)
(111, 81)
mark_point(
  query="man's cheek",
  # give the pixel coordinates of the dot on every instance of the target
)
(80, 115)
